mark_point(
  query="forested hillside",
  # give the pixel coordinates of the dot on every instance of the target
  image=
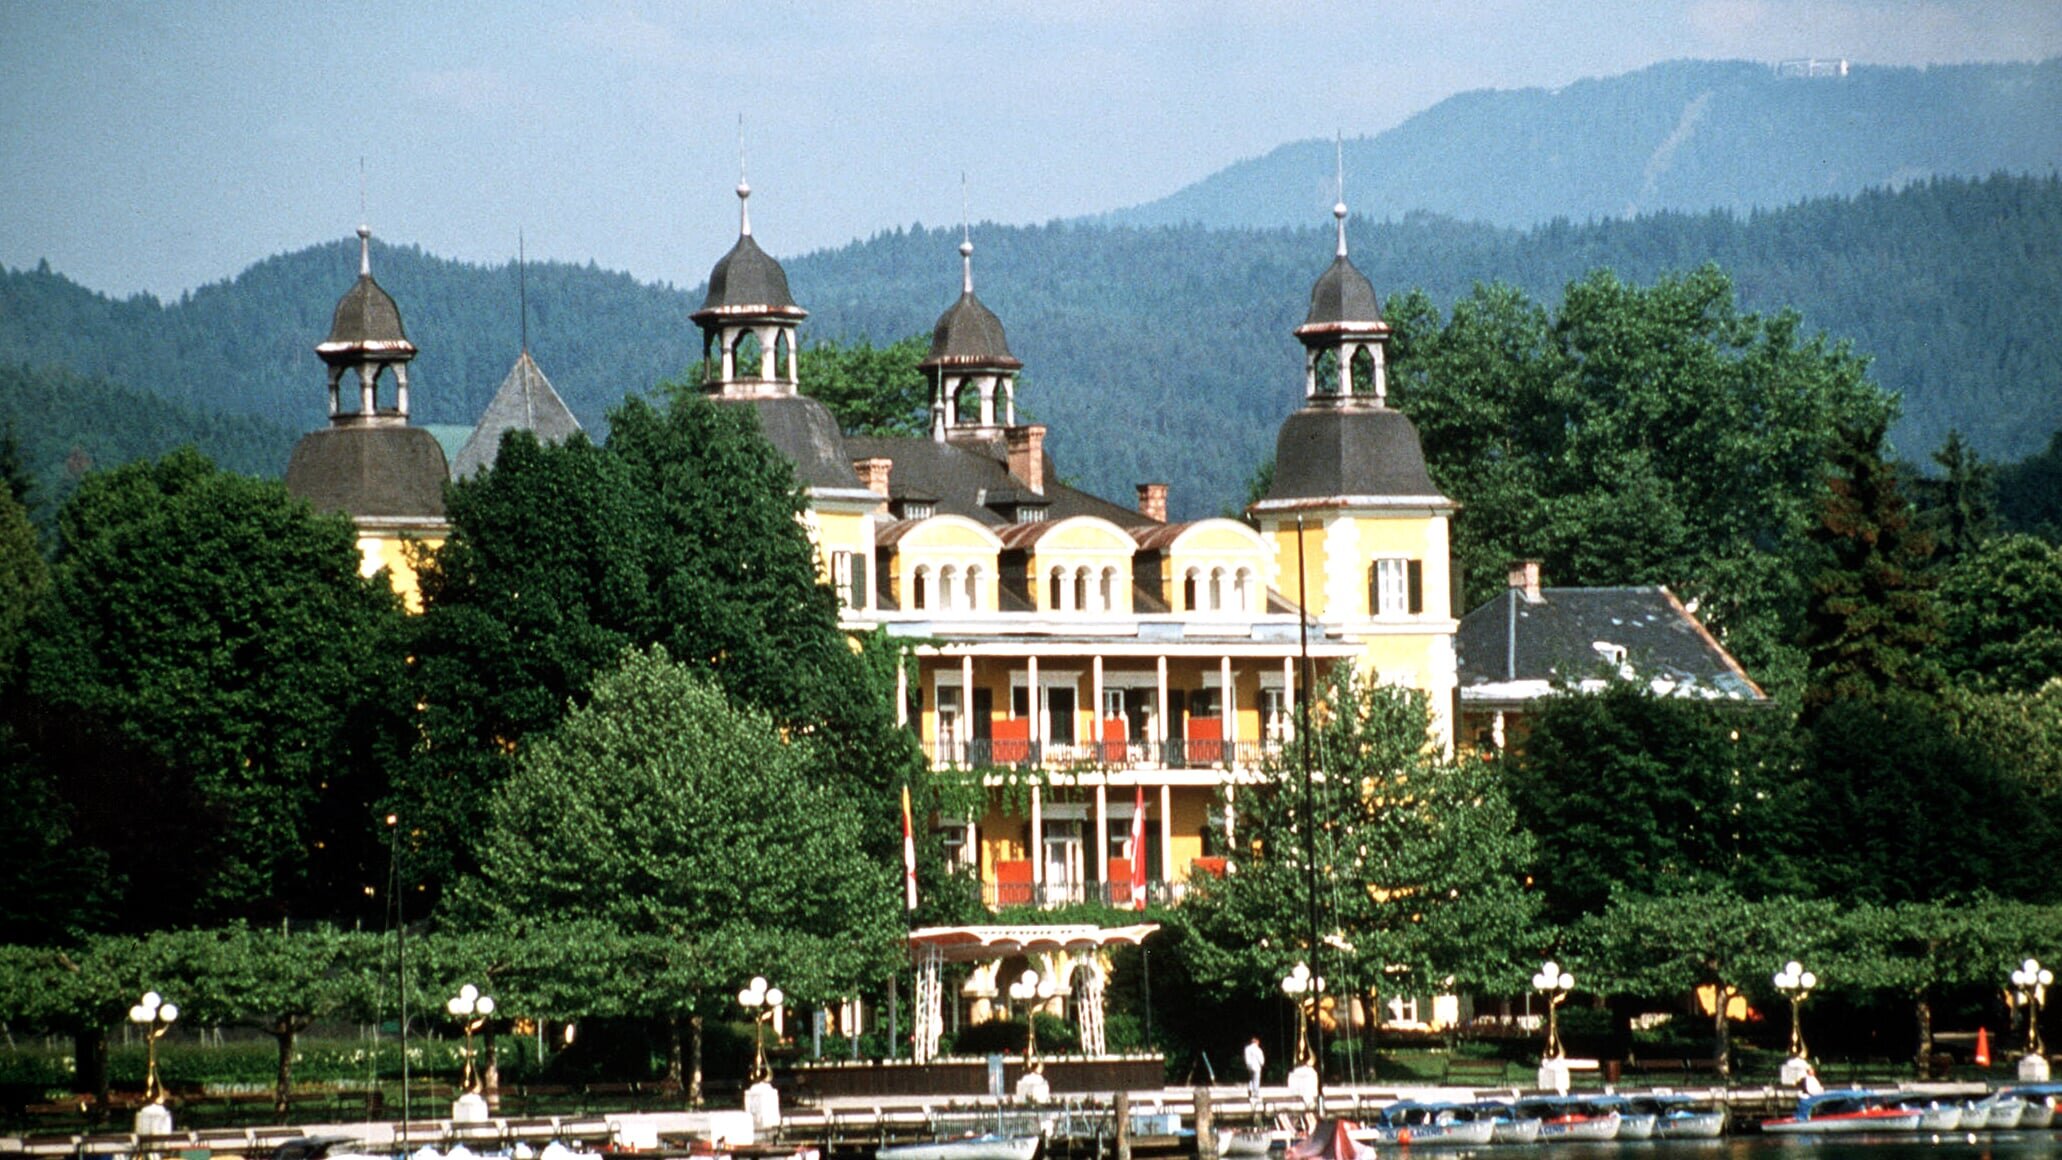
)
(1684, 135)
(1153, 353)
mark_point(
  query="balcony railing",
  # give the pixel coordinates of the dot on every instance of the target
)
(1089, 756)
(1049, 894)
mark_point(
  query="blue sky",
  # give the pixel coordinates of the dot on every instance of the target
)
(160, 146)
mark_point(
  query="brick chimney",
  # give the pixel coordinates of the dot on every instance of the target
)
(1525, 579)
(1027, 455)
(873, 473)
(1152, 501)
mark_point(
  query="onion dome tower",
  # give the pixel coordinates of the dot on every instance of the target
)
(1359, 528)
(369, 463)
(973, 374)
(748, 321)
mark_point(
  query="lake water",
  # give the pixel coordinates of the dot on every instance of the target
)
(1908, 1146)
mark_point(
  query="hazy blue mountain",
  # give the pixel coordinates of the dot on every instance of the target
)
(1684, 135)
(1152, 353)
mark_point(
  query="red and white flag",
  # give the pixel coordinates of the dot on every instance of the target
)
(908, 855)
(1138, 849)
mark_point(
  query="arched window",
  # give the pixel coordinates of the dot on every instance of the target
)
(1188, 591)
(1364, 371)
(784, 355)
(948, 577)
(1081, 589)
(1327, 371)
(917, 585)
(1243, 587)
(1216, 589)
(1109, 587)
(1055, 585)
(973, 587)
(966, 404)
(747, 357)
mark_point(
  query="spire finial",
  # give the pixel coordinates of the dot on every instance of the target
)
(523, 291)
(966, 239)
(744, 188)
(1339, 206)
(364, 230)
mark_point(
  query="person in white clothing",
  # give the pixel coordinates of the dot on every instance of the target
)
(1255, 1060)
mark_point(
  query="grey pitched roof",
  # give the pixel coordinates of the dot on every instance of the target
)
(805, 431)
(1342, 294)
(1349, 450)
(525, 402)
(969, 334)
(747, 278)
(392, 471)
(367, 323)
(963, 481)
(1509, 640)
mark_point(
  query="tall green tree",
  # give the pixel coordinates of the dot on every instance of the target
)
(1420, 862)
(1629, 791)
(873, 390)
(1959, 507)
(1871, 622)
(661, 808)
(2002, 605)
(208, 688)
(1635, 435)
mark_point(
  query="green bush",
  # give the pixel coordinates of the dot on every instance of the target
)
(1006, 1037)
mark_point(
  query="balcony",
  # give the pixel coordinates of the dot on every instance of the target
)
(1045, 895)
(1089, 757)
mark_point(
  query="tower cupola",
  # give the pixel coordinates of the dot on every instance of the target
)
(972, 372)
(366, 336)
(1343, 336)
(748, 320)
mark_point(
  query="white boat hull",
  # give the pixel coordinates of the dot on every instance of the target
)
(1515, 1131)
(1843, 1125)
(1593, 1128)
(1430, 1135)
(971, 1148)
(1635, 1126)
(1690, 1126)
(1231, 1142)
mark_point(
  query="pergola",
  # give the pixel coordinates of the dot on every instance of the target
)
(1074, 947)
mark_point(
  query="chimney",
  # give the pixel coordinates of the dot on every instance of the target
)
(1027, 455)
(1525, 579)
(873, 473)
(1152, 501)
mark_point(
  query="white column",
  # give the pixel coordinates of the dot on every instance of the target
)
(1166, 833)
(1230, 703)
(1037, 704)
(1231, 815)
(966, 701)
(988, 401)
(1037, 841)
(1101, 843)
(1161, 728)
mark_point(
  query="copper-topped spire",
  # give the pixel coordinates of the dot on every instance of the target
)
(744, 188)
(966, 241)
(364, 250)
(1339, 206)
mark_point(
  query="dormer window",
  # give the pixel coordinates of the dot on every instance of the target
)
(917, 509)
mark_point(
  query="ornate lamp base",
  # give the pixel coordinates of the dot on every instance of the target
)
(1303, 1084)
(762, 1103)
(1553, 1075)
(2033, 1069)
(153, 1120)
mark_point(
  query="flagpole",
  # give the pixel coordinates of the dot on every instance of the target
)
(1317, 1029)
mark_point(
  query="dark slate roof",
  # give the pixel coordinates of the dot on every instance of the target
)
(963, 481)
(969, 334)
(392, 471)
(805, 431)
(748, 277)
(525, 402)
(1342, 294)
(1326, 452)
(1510, 639)
(367, 323)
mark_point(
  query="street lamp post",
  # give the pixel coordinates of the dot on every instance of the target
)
(1555, 984)
(155, 1017)
(471, 1009)
(2030, 982)
(1795, 984)
(1306, 991)
(1032, 990)
(761, 1002)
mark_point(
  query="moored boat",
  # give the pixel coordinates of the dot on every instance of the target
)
(1424, 1124)
(1330, 1140)
(989, 1147)
(1569, 1118)
(1244, 1142)
(2039, 1100)
(1506, 1125)
(1679, 1117)
(2000, 1110)
(1846, 1111)
(1937, 1115)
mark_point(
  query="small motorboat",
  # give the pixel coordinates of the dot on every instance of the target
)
(986, 1147)
(2000, 1111)
(1507, 1126)
(1569, 1118)
(1846, 1111)
(2040, 1100)
(1633, 1123)
(1936, 1115)
(1680, 1117)
(1427, 1124)
(1244, 1142)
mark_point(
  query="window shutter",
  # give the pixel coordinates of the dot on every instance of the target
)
(1375, 588)
(858, 580)
(1417, 586)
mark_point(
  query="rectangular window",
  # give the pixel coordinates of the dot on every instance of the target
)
(1396, 587)
(848, 578)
